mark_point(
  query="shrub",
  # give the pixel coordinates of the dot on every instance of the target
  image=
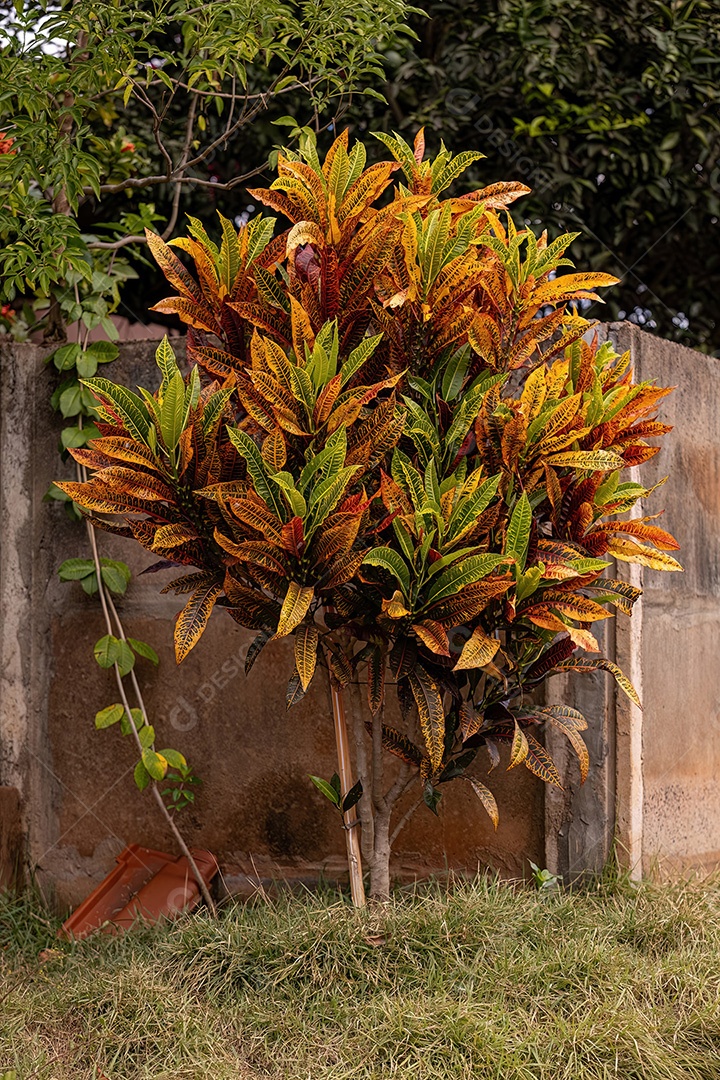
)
(404, 449)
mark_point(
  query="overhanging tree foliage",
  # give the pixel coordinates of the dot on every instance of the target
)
(194, 77)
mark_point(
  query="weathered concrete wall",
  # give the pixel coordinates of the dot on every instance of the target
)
(654, 785)
(257, 809)
(681, 615)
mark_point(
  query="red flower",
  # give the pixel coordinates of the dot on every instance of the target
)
(7, 311)
(127, 148)
(6, 142)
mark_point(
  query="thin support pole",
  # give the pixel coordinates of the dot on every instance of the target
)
(350, 819)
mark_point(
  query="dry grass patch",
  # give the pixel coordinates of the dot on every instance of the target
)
(480, 981)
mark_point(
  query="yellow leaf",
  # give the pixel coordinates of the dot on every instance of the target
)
(302, 332)
(596, 460)
(487, 798)
(583, 639)
(295, 605)
(395, 607)
(539, 762)
(572, 285)
(171, 536)
(519, 748)
(576, 607)
(631, 551)
(577, 743)
(431, 713)
(304, 232)
(193, 619)
(306, 640)
(274, 451)
(585, 664)
(477, 651)
(534, 393)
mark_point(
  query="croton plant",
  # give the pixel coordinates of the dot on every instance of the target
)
(398, 442)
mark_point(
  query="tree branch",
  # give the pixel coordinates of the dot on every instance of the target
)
(183, 159)
(403, 821)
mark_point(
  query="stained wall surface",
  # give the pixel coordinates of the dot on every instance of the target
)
(681, 614)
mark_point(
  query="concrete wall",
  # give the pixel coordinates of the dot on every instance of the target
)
(653, 783)
(681, 616)
(256, 810)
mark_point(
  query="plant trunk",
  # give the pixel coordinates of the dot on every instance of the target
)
(380, 862)
(377, 805)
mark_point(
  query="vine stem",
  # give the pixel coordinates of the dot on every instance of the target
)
(108, 607)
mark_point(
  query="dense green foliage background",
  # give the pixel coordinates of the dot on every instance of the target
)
(610, 112)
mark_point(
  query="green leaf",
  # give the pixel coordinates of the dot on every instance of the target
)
(455, 372)
(155, 764)
(110, 650)
(86, 365)
(174, 759)
(109, 716)
(146, 736)
(103, 352)
(126, 658)
(325, 497)
(72, 437)
(165, 360)
(328, 462)
(431, 797)
(66, 356)
(469, 509)
(106, 651)
(517, 539)
(143, 649)
(141, 776)
(408, 478)
(457, 577)
(114, 579)
(294, 497)
(70, 401)
(129, 407)
(328, 791)
(286, 121)
(256, 469)
(138, 720)
(90, 584)
(75, 569)
(358, 357)
(353, 797)
(172, 411)
(392, 561)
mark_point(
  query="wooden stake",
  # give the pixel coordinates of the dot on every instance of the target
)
(350, 820)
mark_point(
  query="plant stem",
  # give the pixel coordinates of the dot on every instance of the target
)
(350, 819)
(108, 605)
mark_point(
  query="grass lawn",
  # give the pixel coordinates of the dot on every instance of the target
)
(482, 980)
